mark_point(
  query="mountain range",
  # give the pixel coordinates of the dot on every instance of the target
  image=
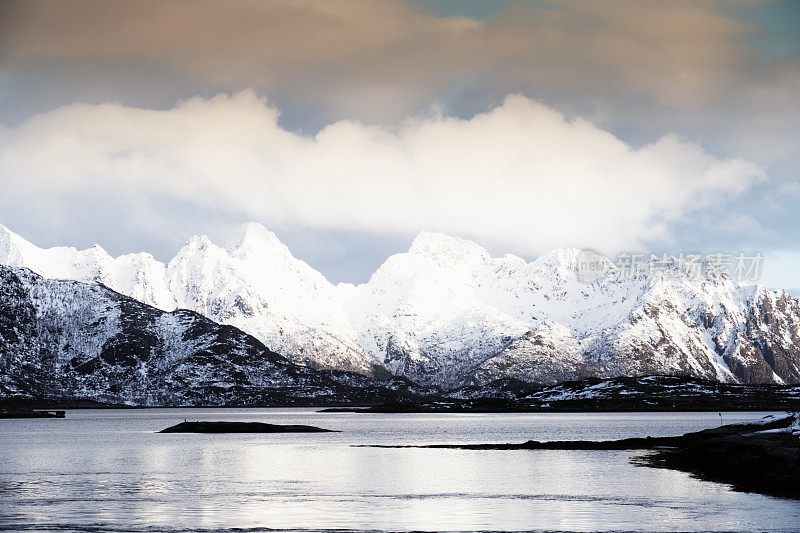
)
(443, 314)
(67, 340)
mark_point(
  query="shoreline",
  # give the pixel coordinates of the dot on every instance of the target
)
(324, 409)
(762, 457)
(416, 409)
(613, 395)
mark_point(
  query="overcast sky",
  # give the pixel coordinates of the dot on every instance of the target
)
(348, 127)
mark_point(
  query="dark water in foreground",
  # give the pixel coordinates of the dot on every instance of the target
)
(110, 471)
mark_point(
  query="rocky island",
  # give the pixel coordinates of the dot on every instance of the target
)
(241, 427)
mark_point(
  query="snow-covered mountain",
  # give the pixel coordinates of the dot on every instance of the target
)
(69, 340)
(255, 285)
(447, 313)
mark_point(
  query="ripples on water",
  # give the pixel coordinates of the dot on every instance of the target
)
(110, 471)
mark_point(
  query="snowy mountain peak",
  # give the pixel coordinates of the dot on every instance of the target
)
(256, 240)
(255, 231)
(448, 251)
(6, 237)
(137, 275)
(197, 243)
(564, 258)
(11, 245)
(98, 251)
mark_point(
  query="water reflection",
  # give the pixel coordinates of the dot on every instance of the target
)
(109, 470)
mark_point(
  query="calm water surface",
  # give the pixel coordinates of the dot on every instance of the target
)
(110, 471)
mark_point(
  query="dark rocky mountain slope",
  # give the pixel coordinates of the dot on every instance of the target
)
(69, 341)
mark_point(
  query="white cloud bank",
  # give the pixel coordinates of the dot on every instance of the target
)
(520, 176)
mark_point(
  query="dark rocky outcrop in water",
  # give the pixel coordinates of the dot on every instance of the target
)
(241, 427)
(759, 457)
(768, 463)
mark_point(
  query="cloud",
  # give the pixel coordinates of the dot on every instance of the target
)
(383, 59)
(519, 176)
(722, 73)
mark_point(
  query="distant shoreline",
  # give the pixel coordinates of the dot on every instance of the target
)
(613, 395)
(391, 409)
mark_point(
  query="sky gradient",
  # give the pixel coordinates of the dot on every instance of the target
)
(348, 127)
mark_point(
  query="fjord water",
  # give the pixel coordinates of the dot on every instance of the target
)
(109, 470)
